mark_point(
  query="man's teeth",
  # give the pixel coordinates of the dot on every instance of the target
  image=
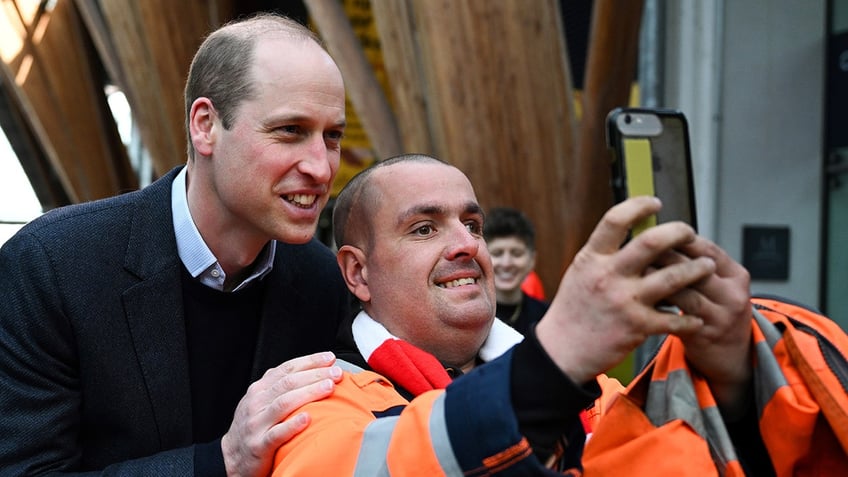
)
(458, 282)
(304, 200)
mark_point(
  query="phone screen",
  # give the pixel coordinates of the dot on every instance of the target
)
(651, 157)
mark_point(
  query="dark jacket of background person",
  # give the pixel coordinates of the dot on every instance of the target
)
(520, 317)
(93, 356)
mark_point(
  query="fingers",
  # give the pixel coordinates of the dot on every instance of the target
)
(302, 363)
(308, 390)
(261, 422)
(286, 430)
(669, 322)
(298, 373)
(287, 427)
(653, 246)
(726, 291)
(726, 267)
(606, 303)
(612, 230)
(673, 279)
(643, 250)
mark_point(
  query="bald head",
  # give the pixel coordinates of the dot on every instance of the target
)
(221, 68)
(358, 200)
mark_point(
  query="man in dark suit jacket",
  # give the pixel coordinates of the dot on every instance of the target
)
(131, 328)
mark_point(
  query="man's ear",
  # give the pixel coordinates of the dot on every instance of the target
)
(353, 266)
(201, 125)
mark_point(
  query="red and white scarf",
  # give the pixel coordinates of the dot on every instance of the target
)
(411, 367)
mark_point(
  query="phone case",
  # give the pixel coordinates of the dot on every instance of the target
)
(651, 156)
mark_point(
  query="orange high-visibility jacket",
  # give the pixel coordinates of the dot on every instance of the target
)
(367, 429)
(667, 422)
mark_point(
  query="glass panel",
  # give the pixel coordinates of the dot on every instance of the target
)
(18, 203)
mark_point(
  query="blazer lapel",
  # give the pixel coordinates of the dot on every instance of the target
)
(154, 312)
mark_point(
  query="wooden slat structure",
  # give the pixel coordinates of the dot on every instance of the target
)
(154, 41)
(363, 88)
(55, 83)
(483, 84)
(610, 71)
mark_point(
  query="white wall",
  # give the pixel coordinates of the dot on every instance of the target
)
(750, 76)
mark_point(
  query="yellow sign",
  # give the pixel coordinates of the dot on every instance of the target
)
(357, 152)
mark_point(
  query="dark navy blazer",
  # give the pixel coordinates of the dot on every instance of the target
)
(93, 358)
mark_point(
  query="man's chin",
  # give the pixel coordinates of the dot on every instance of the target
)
(297, 235)
(480, 314)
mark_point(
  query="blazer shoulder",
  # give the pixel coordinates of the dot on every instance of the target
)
(96, 215)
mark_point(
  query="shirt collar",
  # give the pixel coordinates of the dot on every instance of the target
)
(368, 334)
(195, 255)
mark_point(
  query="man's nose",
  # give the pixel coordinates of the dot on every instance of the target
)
(463, 243)
(317, 160)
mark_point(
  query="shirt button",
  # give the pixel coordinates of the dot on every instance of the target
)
(216, 273)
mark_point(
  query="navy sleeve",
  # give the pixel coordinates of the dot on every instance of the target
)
(481, 425)
(209, 460)
(519, 398)
(547, 403)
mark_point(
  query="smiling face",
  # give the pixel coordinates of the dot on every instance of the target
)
(512, 260)
(269, 175)
(422, 268)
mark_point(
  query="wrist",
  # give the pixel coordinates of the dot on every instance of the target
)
(563, 356)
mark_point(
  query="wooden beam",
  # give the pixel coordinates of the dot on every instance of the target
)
(395, 25)
(499, 103)
(361, 83)
(96, 25)
(155, 41)
(59, 89)
(33, 159)
(610, 72)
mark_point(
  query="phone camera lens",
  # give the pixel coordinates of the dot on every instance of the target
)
(627, 119)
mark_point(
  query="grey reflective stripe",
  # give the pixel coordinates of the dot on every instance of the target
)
(371, 461)
(441, 440)
(349, 367)
(768, 376)
(675, 398)
(375, 444)
(769, 330)
(672, 399)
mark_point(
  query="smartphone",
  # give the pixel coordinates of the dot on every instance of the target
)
(650, 149)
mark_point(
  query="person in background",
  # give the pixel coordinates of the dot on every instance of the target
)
(410, 242)
(172, 330)
(511, 240)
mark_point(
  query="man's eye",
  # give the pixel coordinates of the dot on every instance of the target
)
(288, 129)
(424, 230)
(474, 227)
